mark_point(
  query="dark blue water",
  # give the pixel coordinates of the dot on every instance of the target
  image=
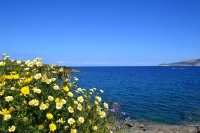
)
(162, 94)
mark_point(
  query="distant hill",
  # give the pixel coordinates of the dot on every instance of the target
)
(195, 62)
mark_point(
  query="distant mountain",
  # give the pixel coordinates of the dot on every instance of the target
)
(195, 62)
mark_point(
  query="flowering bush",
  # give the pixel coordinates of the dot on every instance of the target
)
(35, 97)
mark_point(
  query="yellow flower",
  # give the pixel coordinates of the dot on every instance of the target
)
(13, 72)
(4, 112)
(27, 69)
(11, 109)
(96, 103)
(105, 105)
(15, 76)
(98, 98)
(66, 88)
(101, 91)
(27, 73)
(59, 105)
(39, 63)
(86, 96)
(79, 107)
(75, 102)
(52, 127)
(61, 69)
(80, 99)
(25, 102)
(98, 108)
(75, 78)
(7, 117)
(8, 77)
(38, 76)
(66, 127)
(25, 119)
(57, 100)
(49, 116)
(53, 79)
(27, 62)
(1, 93)
(36, 102)
(66, 80)
(11, 129)
(20, 83)
(73, 131)
(38, 59)
(28, 80)
(71, 121)
(48, 81)
(50, 98)
(19, 62)
(25, 90)
(2, 63)
(79, 90)
(70, 109)
(31, 64)
(44, 76)
(60, 121)
(8, 98)
(43, 106)
(102, 114)
(56, 87)
(89, 107)
(70, 94)
(54, 72)
(12, 88)
(35, 90)
(33, 102)
(63, 101)
(81, 119)
(47, 104)
(95, 128)
(40, 127)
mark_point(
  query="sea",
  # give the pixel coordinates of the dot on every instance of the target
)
(168, 95)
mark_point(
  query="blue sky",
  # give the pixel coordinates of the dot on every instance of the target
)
(101, 32)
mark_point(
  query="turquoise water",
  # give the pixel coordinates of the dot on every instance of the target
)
(162, 94)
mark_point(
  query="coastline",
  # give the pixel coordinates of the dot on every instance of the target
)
(134, 126)
(74, 71)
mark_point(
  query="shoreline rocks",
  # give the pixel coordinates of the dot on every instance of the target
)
(134, 126)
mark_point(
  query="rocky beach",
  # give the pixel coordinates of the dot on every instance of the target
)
(134, 126)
